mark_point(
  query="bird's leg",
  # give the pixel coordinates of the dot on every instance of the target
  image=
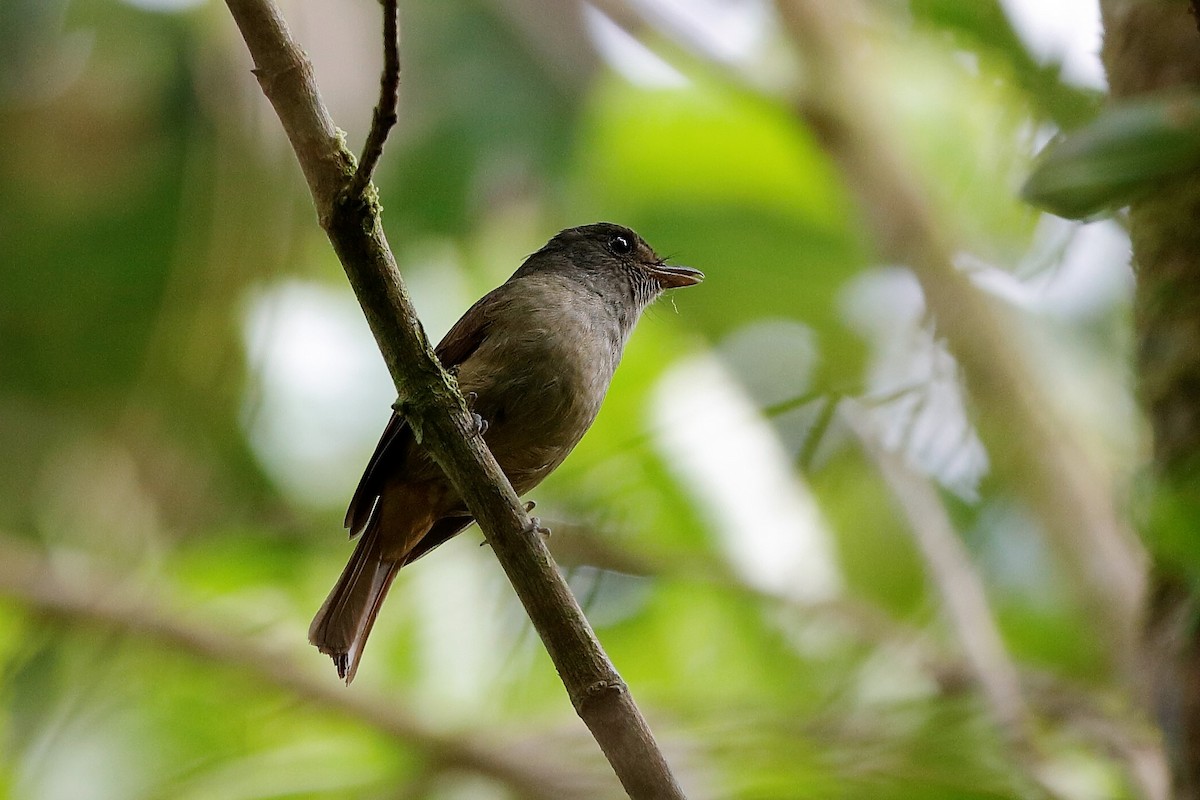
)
(535, 524)
(481, 424)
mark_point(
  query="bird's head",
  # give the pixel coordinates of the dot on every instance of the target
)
(612, 257)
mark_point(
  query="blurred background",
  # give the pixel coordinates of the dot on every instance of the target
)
(853, 522)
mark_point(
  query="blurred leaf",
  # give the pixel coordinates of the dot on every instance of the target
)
(707, 146)
(483, 119)
(958, 121)
(734, 186)
(1111, 161)
(855, 501)
(146, 192)
(985, 26)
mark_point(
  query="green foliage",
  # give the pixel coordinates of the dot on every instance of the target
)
(983, 28)
(150, 214)
(1117, 157)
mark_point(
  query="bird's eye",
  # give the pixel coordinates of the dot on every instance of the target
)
(621, 245)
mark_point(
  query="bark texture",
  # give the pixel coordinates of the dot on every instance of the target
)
(1150, 47)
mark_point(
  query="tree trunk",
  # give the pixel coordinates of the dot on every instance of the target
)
(1149, 46)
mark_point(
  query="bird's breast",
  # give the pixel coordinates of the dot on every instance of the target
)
(541, 383)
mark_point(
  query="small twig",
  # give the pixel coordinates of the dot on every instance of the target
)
(385, 111)
(964, 600)
(816, 434)
(792, 403)
(950, 570)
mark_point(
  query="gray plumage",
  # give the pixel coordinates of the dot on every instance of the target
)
(537, 354)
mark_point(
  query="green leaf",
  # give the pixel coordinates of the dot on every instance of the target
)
(984, 27)
(1111, 161)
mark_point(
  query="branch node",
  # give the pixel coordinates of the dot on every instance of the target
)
(598, 691)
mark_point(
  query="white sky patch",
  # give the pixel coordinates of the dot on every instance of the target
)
(740, 475)
(459, 647)
(1066, 31)
(323, 393)
(1074, 270)
(728, 30)
(924, 416)
(630, 58)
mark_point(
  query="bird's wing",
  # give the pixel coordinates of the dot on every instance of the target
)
(442, 531)
(392, 451)
(469, 332)
(392, 447)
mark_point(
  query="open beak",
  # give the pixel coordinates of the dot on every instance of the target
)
(672, 277)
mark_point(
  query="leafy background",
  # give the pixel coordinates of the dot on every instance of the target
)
(187, 393)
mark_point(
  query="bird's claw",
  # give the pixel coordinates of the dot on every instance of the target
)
(481, 424)
(535, 526)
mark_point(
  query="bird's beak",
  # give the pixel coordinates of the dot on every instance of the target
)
(672, 277)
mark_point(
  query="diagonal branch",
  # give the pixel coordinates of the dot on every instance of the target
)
(1061, 484)
(950, 570)
(437, 412)
(963, 599)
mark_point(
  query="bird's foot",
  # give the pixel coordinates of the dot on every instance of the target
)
(481, 424)
(535, 523)
(535, 526)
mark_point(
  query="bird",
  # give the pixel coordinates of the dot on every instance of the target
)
(534, 358)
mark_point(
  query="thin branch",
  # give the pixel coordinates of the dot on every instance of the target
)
(1089, 714)
(1062, 485)
(438, 414)
(964, 600)
(286, 77)
(87, 596)
(949, 566)
(389, 96)
(816, 434)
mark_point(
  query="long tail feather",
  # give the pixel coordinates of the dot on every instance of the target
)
(343, 623)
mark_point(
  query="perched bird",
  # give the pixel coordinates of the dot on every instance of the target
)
(535, 358)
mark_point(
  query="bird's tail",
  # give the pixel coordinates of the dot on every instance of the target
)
(344, 622)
